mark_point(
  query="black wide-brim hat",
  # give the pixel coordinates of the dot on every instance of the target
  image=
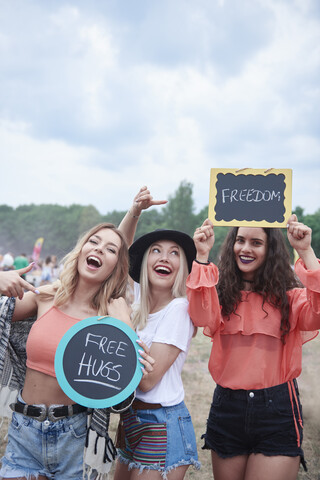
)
(138, 248)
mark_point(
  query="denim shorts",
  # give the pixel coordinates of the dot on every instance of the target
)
(267, 421)
(52, 449)
(161, 439)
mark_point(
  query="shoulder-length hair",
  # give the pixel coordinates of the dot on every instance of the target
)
(141, 313)
(113, 286)
(271, 280)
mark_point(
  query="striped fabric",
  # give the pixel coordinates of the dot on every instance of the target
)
(146, 443)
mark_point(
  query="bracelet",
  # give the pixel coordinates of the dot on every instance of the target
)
(202, 263)
(134, 216)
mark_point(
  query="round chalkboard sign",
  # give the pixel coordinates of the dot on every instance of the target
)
(96, 362)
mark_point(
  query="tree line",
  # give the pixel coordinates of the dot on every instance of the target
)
(61, 226)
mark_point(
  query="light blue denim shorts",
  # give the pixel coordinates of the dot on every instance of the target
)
(161, 439)
(52, 449)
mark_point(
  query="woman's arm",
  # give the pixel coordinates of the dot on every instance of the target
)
(142, 201)
(204, 240)
(204, 307)
(164, 356)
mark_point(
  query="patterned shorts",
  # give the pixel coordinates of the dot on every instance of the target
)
(160, 439)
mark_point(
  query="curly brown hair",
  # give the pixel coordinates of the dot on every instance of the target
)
(271, 281)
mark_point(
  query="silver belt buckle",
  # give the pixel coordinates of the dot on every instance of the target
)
(52, 416)
(43, 412)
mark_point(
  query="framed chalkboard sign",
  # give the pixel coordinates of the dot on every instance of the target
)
(96, 362)
(250, 197)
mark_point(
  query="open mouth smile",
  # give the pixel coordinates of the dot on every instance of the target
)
(162, 270)
(244, 259)
(94, 262)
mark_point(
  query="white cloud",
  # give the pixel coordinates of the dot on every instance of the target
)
(98, 99)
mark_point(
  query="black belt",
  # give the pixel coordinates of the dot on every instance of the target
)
(41, 412)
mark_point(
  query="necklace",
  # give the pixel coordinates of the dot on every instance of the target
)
(247, 281)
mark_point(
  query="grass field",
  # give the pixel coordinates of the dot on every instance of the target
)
(199, 389)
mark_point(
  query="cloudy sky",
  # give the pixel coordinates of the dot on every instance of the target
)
(100, 97)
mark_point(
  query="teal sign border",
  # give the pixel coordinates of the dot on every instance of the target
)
(60, 374)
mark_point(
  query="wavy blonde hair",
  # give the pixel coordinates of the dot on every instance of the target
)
(142, 311)
(113, 286)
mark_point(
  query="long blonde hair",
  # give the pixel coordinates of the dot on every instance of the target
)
(141, 312)
(113, 286)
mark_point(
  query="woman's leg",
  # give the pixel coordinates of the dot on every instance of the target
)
(121, 471)
(233, 468)
(280, 467)
(176, 474)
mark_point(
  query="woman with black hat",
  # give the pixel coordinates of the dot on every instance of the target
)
(159, 440)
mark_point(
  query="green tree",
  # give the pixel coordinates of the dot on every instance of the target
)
(313, 221)
(89, 217)
(61, 226)
(179, 211)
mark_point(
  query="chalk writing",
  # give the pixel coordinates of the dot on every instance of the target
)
(249, 195)
(245, 198)
(111, 346)
(97, 362)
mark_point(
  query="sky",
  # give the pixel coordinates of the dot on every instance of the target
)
(100, 97)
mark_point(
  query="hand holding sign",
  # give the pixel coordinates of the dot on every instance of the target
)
(97, 363)
(146, 359)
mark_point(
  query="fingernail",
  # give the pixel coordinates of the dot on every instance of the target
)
(140, 351)
(37, 292)
(139, 341)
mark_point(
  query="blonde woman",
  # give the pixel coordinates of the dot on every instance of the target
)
(159, 440)
(93, 282)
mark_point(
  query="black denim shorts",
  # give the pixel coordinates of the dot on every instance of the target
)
(267, 421)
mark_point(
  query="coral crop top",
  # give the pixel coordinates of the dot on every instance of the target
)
(247, 351)
(44, 337)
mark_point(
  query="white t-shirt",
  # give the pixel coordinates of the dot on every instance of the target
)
(171, 325)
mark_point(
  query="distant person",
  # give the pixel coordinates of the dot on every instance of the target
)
(46, 274)
(7, 262)
(21, 261)
(55, 267)
(258, 315)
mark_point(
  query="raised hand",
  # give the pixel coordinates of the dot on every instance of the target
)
(299, 236)
(12, 285)
(144, 200)
(204, 240)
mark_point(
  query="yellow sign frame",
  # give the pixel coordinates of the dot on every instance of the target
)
(250, 171)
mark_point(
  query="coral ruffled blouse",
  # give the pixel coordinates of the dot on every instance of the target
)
(247, 351)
